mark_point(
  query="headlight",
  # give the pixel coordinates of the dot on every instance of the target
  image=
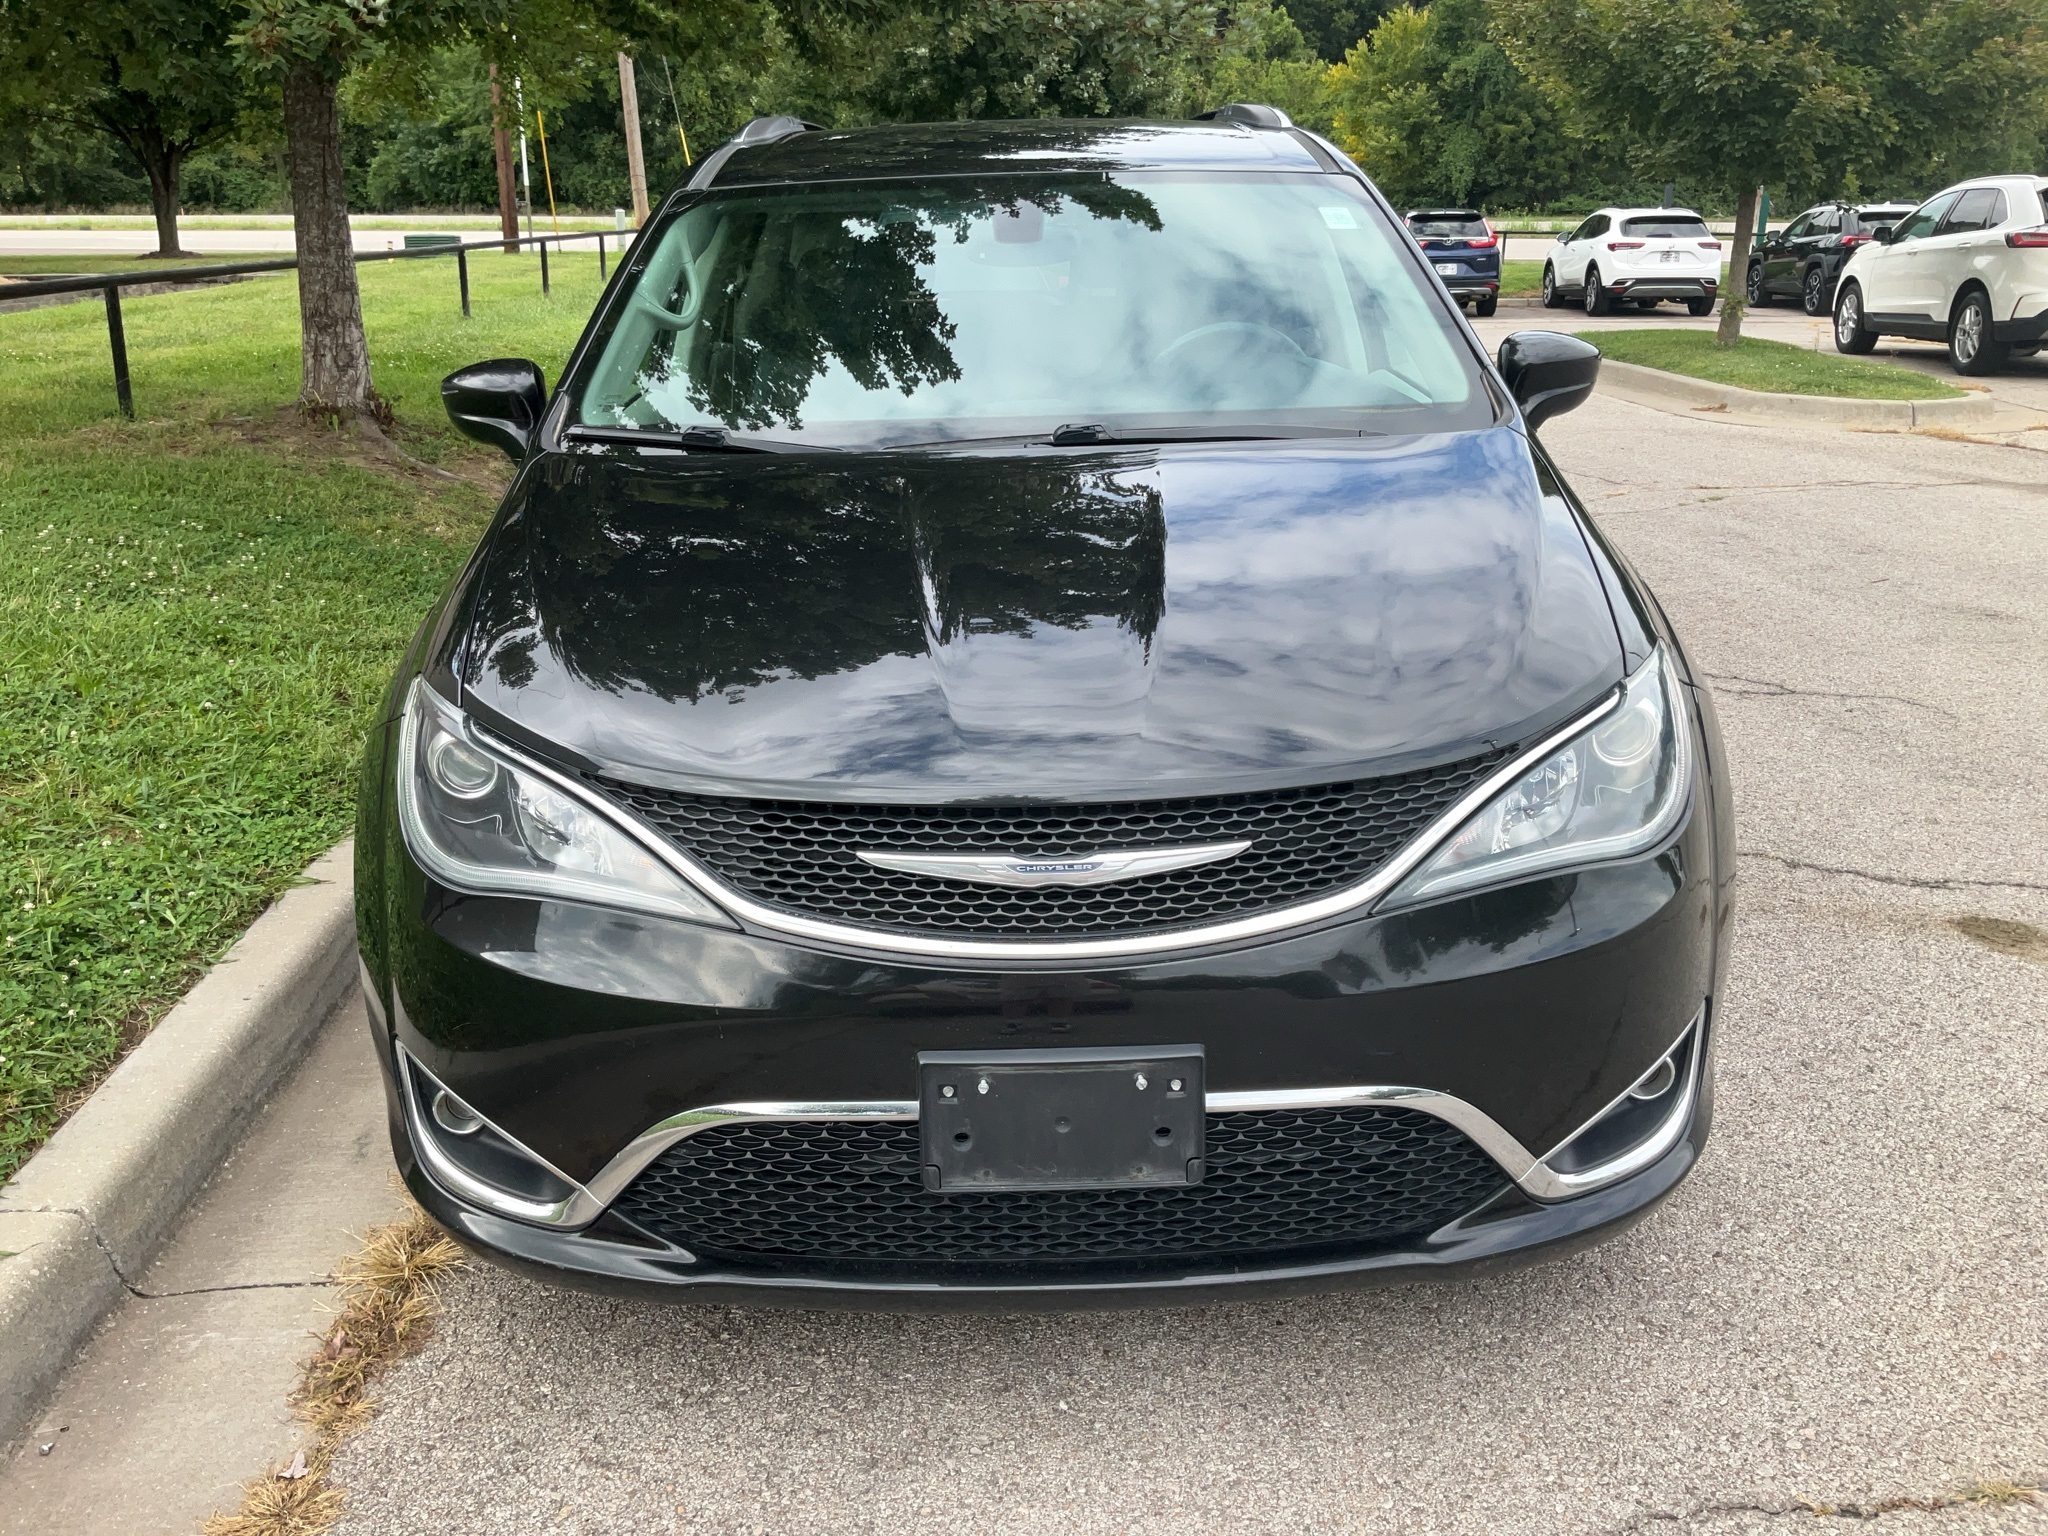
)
(1615, 790)
(479, 822)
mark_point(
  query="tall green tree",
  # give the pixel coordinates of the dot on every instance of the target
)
(1434, 111)
(157, 77)
(1734, 93)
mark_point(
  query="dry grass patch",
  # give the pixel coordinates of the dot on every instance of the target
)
(389, 1300)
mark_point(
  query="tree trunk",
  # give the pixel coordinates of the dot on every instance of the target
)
(163, 198)
(1735, 288)
(501, 150)
(334, 356)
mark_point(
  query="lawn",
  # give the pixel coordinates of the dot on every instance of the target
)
(106, 261)
(1772, 366)
(1521, 279)
(199, 610)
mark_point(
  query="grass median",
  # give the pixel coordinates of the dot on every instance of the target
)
(198, 612)
(1773, 367)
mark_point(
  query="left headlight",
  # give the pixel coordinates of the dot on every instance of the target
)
(479, 822)
(1616, 789)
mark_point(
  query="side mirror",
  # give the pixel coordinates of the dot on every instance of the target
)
(1548, 373)
(1563, 235)
(1882, 234)
(499, 402)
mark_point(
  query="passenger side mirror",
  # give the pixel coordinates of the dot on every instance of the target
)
(1882, 234)
(1548, 373)
(499, 402)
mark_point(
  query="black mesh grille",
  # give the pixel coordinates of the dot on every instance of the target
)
(843, 1193)
(801, 856)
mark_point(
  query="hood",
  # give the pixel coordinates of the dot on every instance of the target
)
(1044, 624)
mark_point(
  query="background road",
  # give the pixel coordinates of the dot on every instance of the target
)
(1848, 1302)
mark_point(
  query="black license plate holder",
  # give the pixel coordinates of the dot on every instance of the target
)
(1094, 1118)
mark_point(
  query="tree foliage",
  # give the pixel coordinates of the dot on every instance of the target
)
(156, 76)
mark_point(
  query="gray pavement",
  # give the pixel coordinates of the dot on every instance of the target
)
(1846, 1304)
(182, 1394)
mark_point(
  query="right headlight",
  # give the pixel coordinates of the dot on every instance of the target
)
(478, 821)
(1616, 789)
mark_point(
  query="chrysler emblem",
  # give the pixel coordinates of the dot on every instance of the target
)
(1081, 869)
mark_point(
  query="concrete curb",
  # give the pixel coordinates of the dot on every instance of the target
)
(88, 1212)
(1676, 393)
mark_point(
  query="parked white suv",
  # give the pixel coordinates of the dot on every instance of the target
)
(1639, 256)
(1969, 267)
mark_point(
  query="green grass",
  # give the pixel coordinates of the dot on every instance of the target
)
(108, 261)
(1521, 279)
(198, 612)
(1772, 366)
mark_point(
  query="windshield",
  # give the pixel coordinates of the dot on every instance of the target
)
(851, 314)
(1687, 228)
(1448, 226)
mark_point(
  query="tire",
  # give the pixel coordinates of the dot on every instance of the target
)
(1850, 333)
(1551, 299)
(1699, 306)
(1813, 292)
(1485, 306)
(1970, 347)
(1597, 301)
(1759, 298)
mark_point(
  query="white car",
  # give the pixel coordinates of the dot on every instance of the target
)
(1639, 256)
(1969, 267)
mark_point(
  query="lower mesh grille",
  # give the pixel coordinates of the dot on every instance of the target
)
(835, 1194)
(804, 856)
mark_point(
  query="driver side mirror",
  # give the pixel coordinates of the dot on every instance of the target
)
(1548, 373)
(499, 402)
(1882, 234)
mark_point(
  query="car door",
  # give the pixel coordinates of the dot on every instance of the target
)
(1578, 250)
(1891, 275)
(1823, 226)
(1951, 253)
(1781, 254)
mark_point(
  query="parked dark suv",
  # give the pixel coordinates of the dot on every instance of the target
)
(1465, 251)
(1036, 727)
(1804, 259)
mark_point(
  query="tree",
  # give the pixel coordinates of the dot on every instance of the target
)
(1735, 93)
(155, 76)
(1434, 111)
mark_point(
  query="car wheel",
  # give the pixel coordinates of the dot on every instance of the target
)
(1813, 293)
(1850, 334)
(1970, 347)
(1648, 303)
(1758, 298)
(1486, 306)
(1703, 305)
(1550, 298)
(1597, 301)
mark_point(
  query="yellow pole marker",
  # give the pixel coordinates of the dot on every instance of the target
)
(548, 176)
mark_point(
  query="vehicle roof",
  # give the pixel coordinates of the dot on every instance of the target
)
(1645, 213)
(1037, 144)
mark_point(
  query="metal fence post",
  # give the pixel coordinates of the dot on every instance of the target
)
(119, 342)
(462, 272)
(600, 258)
(543, 266)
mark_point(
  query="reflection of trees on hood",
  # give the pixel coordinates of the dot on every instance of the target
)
(835, 277)
(697, 583)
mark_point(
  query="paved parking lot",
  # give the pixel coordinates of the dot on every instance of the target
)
(1847, 1304)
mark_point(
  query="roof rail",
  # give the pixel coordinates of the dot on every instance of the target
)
(766, 130)
(1249, 114)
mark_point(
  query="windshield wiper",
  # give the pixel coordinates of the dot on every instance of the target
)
(1079, 434)
(693, 439)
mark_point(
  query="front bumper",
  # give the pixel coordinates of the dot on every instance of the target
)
(576, 1030)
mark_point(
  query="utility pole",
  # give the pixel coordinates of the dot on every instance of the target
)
(636, 162)
(501, 150)
(525, 170)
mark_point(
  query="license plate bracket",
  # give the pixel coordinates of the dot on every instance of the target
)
(1093, 1118)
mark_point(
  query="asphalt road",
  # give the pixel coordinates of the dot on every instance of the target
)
(1847, 1303)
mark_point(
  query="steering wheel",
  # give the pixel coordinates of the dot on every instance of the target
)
(1261, 334)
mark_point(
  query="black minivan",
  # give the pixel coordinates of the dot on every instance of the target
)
(1036, 728)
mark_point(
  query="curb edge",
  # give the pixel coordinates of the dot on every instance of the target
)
(1677, 393)
(84, 1217)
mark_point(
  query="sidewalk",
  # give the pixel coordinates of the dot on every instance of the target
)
(182, 1394)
